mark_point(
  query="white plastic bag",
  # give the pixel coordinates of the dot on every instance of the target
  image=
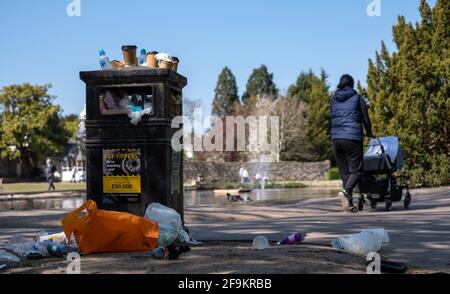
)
(163, 56)
(169, 224)
(362, 243)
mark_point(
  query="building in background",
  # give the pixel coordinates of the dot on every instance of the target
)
(73, 156)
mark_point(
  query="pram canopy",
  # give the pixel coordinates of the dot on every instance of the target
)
(373, 160)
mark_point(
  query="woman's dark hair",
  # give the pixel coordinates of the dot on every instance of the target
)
(346, 81)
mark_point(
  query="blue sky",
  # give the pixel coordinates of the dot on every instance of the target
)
(42, 44)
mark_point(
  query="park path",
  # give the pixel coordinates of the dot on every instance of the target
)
(419, 236)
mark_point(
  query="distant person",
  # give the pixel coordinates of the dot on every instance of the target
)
(74, 175)
(50, 171)
(258, 178)
(245, 176)
(264, 179)
(241, 172)
(348, 115)
(82, 177)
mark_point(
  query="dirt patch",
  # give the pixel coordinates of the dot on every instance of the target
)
(210, 258)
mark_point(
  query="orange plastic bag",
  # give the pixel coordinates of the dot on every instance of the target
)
(110, 231)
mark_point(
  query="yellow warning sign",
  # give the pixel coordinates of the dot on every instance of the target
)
(121, 184)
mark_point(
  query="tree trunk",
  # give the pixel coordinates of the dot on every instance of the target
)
(26, 164)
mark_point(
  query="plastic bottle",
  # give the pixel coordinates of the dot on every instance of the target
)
(292, 239)
(142, 57)
(104, 60)
(59, 250)
(44, 236)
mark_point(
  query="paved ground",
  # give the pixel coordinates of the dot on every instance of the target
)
(420, 236)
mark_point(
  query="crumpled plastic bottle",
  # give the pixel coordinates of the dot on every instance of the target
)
(362, 243)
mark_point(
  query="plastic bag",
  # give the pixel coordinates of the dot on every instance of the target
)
(163, 56)
(110, 231)
(5, 256)
(169, 222)
(136, 116)
(362, 243)
(26, 248)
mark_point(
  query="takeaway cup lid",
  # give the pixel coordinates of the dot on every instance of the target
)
(129, 47)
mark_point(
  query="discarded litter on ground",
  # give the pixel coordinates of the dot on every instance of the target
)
(56, 237)
(5, 256)
(362, 243)
(110, 231)
(171, 252)
(105, 231)
(43, 245)
(292, 239)
(160, 253)
(170, 225)
(260, 242)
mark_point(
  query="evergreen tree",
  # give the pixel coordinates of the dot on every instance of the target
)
(318, 117)
(226, 97)
(260, 84)
(410, 91)
(313, 91)
(303, 85)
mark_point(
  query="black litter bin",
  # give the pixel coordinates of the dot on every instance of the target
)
(131, 164)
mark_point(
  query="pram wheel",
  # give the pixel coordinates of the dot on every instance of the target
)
(373, 205)
(407, 201)
(388, 204)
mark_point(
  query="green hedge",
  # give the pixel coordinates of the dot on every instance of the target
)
(333, 174)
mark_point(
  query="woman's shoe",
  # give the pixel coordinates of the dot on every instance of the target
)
(347, 205)
(344, 200)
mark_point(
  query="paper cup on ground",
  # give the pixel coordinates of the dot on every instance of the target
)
(129, 55)
(151, 59)
(260, 242)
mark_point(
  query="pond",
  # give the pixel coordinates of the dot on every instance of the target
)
(211, 198)
(190, 198)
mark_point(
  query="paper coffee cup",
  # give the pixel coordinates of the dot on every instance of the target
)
(175, 62)
(165, 64)
(129, 55)
(116, 64)
(151, 59)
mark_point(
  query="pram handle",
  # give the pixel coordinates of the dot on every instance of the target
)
(372, 136)
(379, 142)
(383, 153)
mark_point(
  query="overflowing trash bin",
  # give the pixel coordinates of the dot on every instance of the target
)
(130, 162)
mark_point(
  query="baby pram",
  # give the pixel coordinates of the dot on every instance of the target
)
(382, 179)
